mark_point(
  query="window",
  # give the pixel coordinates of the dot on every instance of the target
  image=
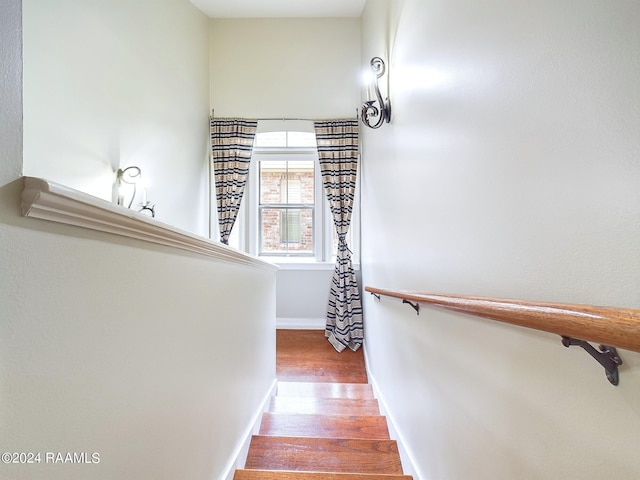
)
(289, 197)
(286, 204)
(284, 214)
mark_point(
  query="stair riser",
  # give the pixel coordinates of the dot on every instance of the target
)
(324, 406)
(325, 426)
(325, 390)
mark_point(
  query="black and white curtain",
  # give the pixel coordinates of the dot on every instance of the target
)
(231, 146)
(338, 155)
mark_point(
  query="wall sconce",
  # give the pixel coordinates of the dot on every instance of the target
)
(131, 176)
(371, 111)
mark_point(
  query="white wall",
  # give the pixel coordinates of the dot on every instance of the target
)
(108, 345)
(11, 90)
(288, 68)
(510, 169)
(137, 353)
(302, 296)
(285, 68)
(114, 84)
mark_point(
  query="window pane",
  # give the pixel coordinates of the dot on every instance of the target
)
(290, 231)
(301, 181)
(301, 139)
(284, 139)
(271, 139)
(286, 182)
(286, 231)
(273, 176)
(294, 189)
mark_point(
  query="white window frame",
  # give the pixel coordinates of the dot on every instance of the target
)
(253, 217)
(246, 233)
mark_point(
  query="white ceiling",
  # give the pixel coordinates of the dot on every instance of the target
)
(280, 8)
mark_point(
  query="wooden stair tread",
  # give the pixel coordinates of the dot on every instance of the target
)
(325, 390)
(327, 406)
(284, 475)
(335, 455)
(338, 426)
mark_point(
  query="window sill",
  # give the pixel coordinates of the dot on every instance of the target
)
(306, 265)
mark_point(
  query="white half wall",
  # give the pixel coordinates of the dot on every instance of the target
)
(510, 169)
(135, 352)
(112, 84)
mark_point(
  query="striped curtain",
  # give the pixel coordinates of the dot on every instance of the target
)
(338, 155)
(231, 146)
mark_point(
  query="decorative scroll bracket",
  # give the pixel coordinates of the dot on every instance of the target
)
(607, 357)
(415, 306)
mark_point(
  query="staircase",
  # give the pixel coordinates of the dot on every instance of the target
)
(321, 430)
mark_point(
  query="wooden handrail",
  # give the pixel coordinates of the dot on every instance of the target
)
(616, 327)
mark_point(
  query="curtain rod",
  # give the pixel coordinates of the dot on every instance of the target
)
(292, 119)
(286, 118)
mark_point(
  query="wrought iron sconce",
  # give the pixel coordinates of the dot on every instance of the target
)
(131, 176)
(381, 112)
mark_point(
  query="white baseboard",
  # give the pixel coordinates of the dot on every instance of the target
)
(301, 323)
(239, 456)
(408, 465)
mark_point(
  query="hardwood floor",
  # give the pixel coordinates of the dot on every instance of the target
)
(324, 422)
(306, 356)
